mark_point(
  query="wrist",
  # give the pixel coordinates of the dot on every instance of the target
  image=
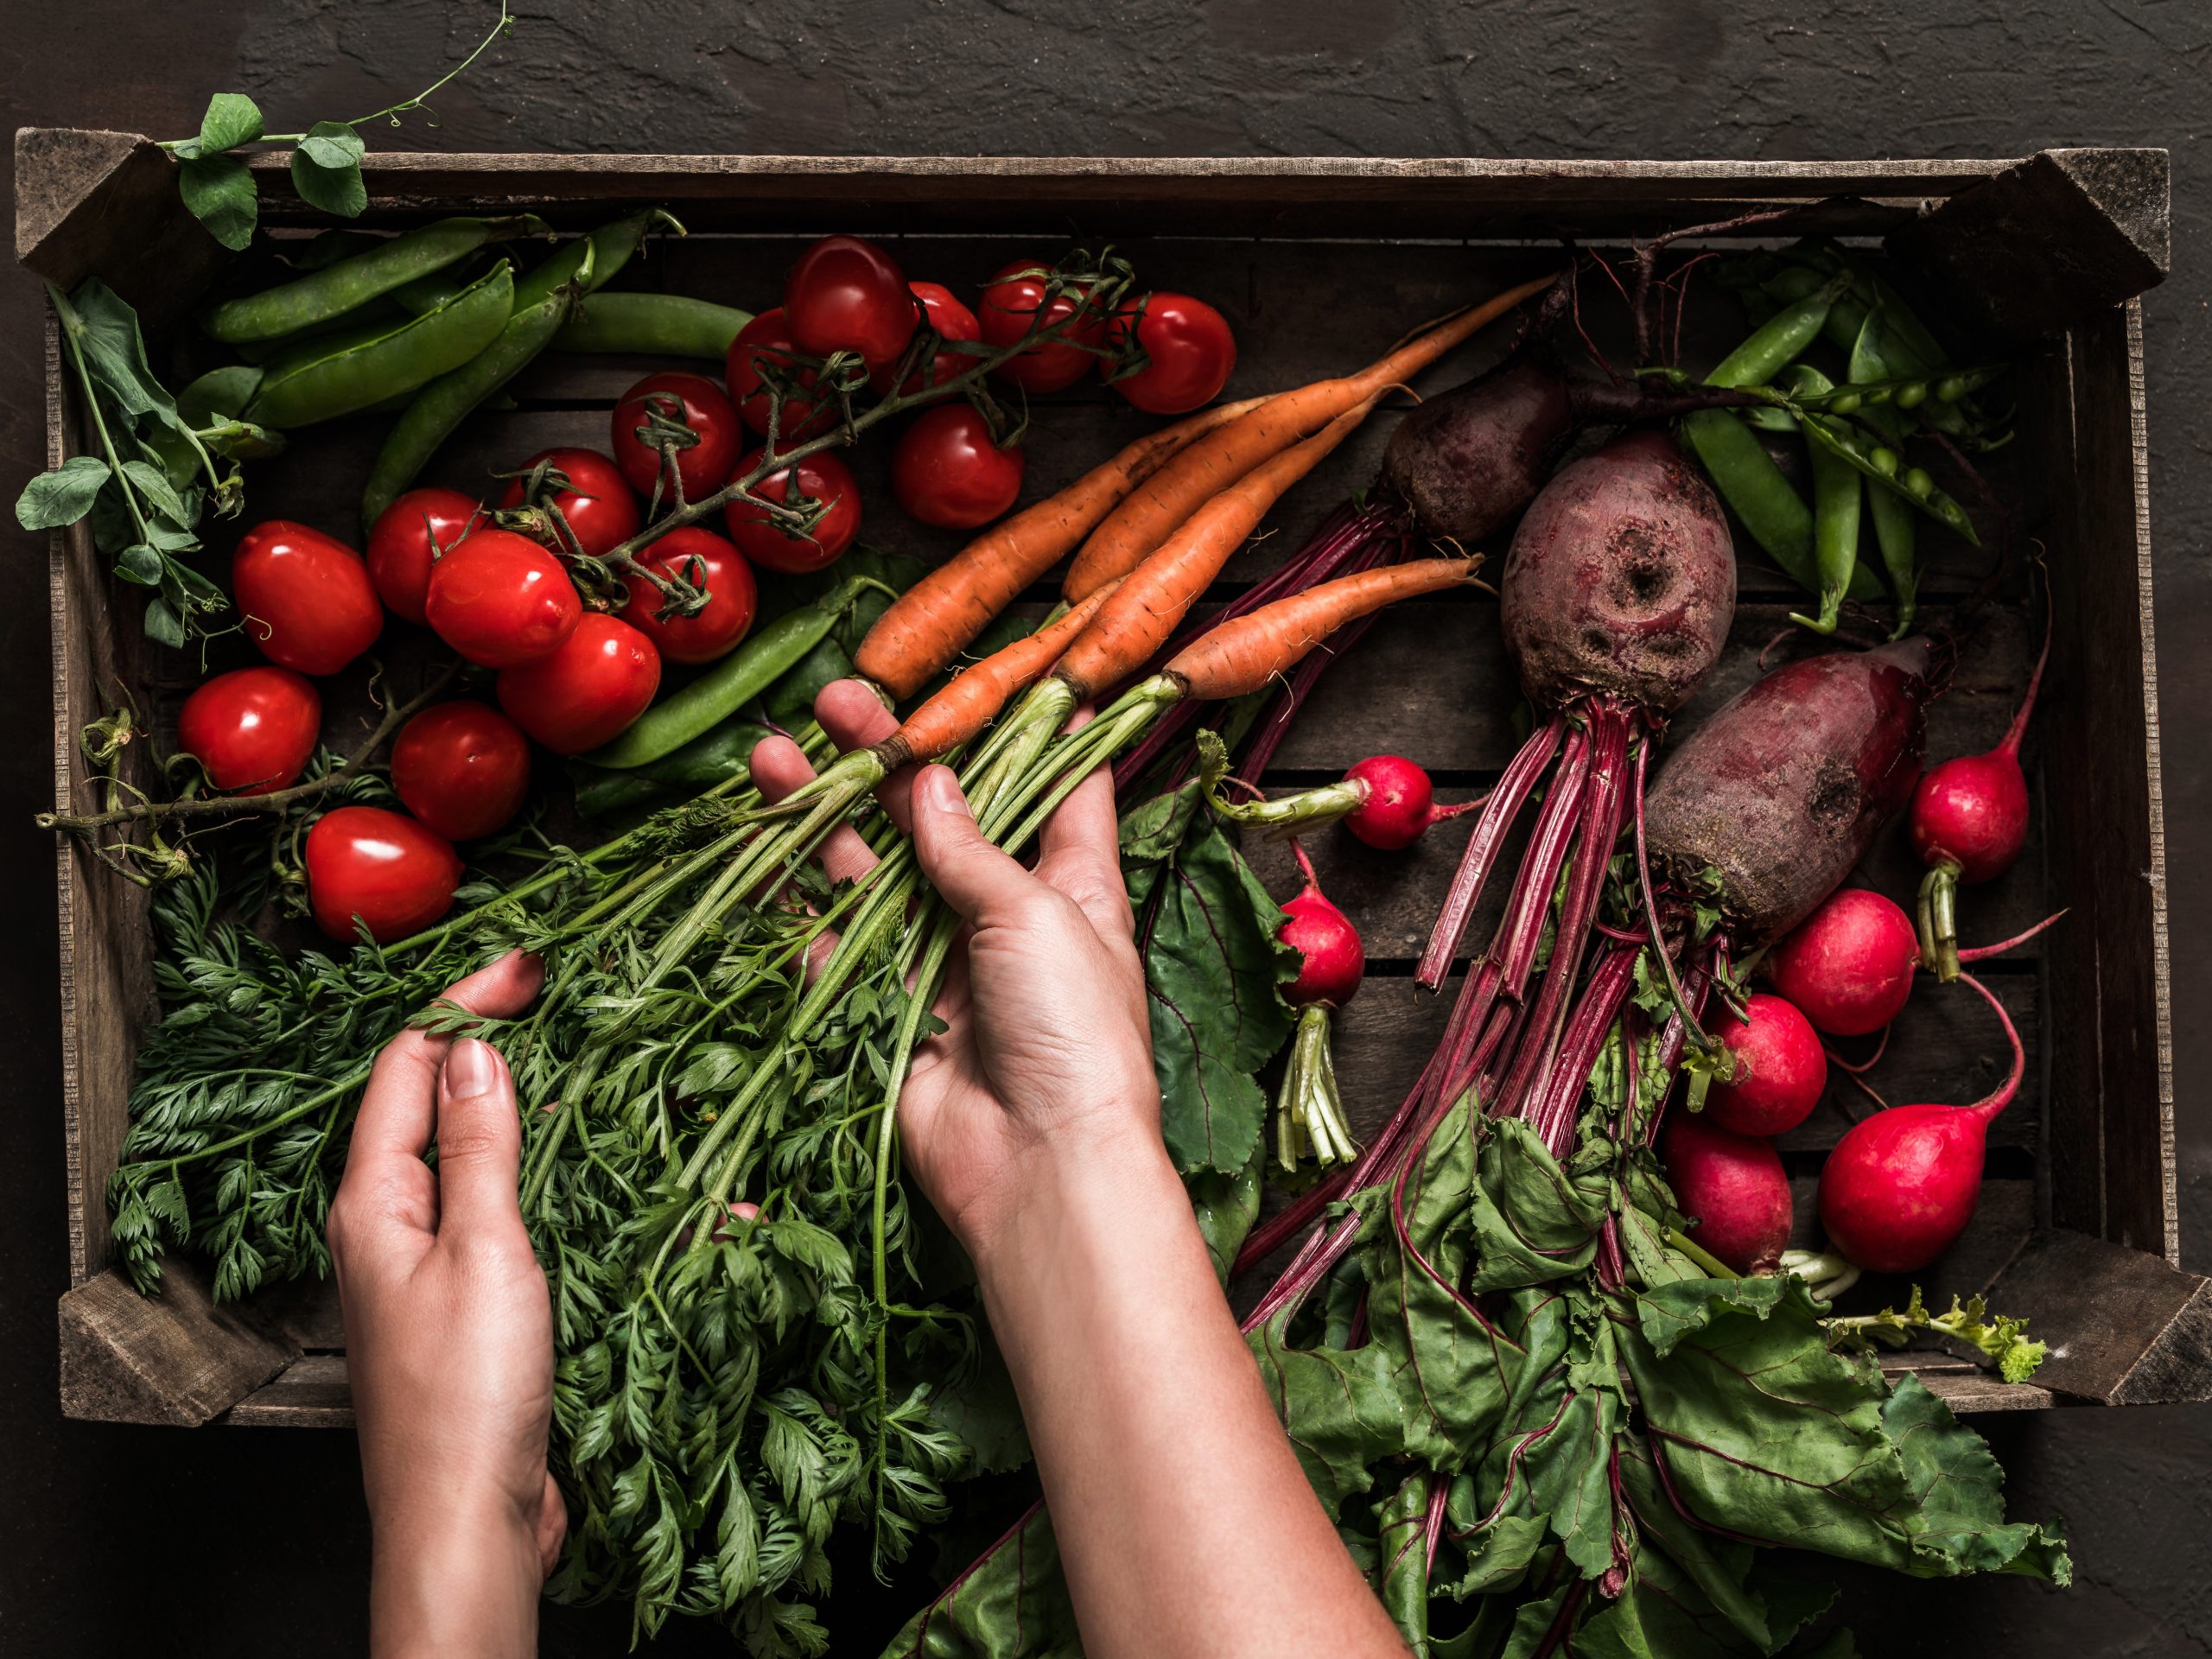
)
(453, 1577)
(1075, 1189)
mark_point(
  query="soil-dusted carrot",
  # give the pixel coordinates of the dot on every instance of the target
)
(1211, 465)
(935, 619)
(1151, 602)
(1242, 656)
(976, 695)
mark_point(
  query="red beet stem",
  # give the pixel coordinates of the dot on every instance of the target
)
(1506, 801)
(1552, 1113)
(2018, 728)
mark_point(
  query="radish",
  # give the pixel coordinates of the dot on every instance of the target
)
(1901, 1186)
(1385, 800)
(1735, 1188)
(1778, 1069)
(1309, 1112)
(1969, 821)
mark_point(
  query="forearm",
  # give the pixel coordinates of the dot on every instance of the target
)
(447, 1583)
(1184, 1521)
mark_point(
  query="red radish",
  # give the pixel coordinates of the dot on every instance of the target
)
(1779, 1068)
(1969, 821)
(1734, 1188)
(1309, 1112)
(1386, 800)
(1899, 1188)
(1848, 966)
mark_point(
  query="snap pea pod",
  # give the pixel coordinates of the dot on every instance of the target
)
(380, 313)
(321, 295)
(607, 250)
(321, 379)
(665, 325)
(327, 248)
(1880, 466)
(447, 401)
(1778, 341)
(716, 756)
(1896, 530)
(1837, 493)
(790, 701)
(728, 685)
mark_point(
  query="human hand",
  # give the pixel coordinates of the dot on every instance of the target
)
(449, 1340)
(1046, 1062)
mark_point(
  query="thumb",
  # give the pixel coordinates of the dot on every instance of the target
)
(982, 883)
(479, 1140)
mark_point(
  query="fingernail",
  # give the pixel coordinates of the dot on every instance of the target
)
(471, 1068)
(943, 790)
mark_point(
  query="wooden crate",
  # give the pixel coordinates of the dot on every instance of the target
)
(2078, 1230)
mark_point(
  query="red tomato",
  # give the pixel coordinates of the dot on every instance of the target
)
(588, 692)
(307, 599)
(765, 340)
(409, 536)
(948, 471)
(847, 295)
(700, 405)
(462, 769)
(381, 867)
(704, 560)
(603, 514)
(501, 600)
(952, 321)
(822, 477)
(251, 729)
(1010, 305)
(1191, 352)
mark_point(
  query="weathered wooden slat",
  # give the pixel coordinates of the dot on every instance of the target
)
(1968, 1389)
(2112, 1059)
(177, 1358)
(312, 1392)
(106, 205)
(2124, 1328)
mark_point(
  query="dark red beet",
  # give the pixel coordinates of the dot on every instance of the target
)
(1467, 462)
(1782, 790)
(1780, 1069)
(1733, 1187)
(1901, 1186)
(1334, 960)
(1621, 579)
(1848, 966)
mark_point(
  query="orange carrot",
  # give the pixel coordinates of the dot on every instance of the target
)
(1150, 602)
(975, 694)
(1244, 655)
(1202, 471)
(930, 624)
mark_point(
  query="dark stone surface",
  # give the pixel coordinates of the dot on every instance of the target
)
(253, 1542)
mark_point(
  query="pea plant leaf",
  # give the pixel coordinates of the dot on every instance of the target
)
(233, 119)
(1213, 963)
(326, 170)
(62, 496)
(219, 189)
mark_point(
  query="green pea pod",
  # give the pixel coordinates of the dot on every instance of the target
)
(1777, 342)
(322, 379)
(1839, 440)
(664, 325)
(1896, 531)
(717, 756)
(608, 248)
(444, 404)
(1837, 493)
(725, 687)
(603, 794)
(428, 293)
(789, 702)
(1751, 483)
(331, 292)
(327, 248)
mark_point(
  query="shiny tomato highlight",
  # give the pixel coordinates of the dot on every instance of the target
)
(1010, 305)
(306, 597)
(251, 729)
(951, 320)
(847, 293)
(462, 767)
(394, 875)
(410, 536)
(501, 600)
(1190, 348)
(588, 691)
(949, 470)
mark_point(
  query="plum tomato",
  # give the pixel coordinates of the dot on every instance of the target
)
(462, 767)
(588, 691)
(699, 403)
(501, 600)
(1190, 349)
(395, 875)
(822, 477)
(949, 470)
(251, 729)
(410, 536)
(766, 341)
(705, 560)
(951, 320)
(602, 511)
(1010, 305)
(847, 293)
(306, 597)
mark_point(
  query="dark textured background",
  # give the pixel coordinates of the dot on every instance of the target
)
(254, 1541)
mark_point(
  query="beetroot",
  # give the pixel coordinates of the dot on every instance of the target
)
(1969, 822)
(1848, 966)
(1734, 1188)
(1780, 792)
(1467, 462)
(1778, 1072)
(1901, 1186)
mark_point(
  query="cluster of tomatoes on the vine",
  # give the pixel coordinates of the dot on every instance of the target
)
(531, 589)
